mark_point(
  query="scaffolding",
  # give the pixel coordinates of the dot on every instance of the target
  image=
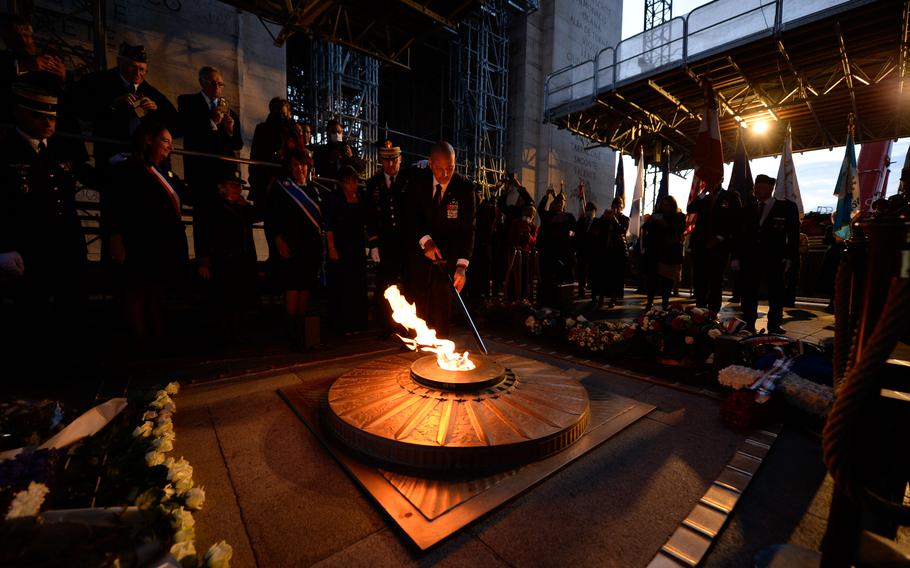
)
(328, 81)
(479, 64)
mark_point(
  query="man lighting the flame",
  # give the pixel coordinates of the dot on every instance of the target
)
(405, 313)
(440, 212)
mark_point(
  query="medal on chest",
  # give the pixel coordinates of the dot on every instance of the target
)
(452, 210)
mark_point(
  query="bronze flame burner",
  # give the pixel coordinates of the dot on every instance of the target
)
(507, 411)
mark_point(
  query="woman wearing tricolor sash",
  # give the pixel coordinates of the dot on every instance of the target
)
(296, 219)
(143, 220)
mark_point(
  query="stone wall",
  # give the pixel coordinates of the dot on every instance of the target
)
(560, 33)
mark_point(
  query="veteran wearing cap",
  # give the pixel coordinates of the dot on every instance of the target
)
(42, 247)
(115, 101)
(766, 249)
(385, 191)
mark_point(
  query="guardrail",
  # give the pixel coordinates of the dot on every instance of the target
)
(710, 28)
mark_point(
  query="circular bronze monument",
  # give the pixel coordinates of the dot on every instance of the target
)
(404, 410)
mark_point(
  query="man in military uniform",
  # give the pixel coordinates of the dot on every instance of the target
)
(387, 246)
(117, 99)
(767, 247)
(716, 225)
(42, 247)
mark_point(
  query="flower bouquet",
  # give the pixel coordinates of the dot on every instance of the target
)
(117, 489)
(678, 335)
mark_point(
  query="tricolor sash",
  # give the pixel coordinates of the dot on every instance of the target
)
(171, 193)
(306, 203)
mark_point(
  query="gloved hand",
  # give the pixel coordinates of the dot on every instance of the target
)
(374, 254)
(12, 263)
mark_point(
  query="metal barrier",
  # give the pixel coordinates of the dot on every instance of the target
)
(651, 50)
(724, 23)
(707, 29)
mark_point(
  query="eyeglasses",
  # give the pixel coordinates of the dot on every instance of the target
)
(216, 83)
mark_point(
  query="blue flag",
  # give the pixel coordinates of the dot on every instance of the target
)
(741, 176)
(847, 192)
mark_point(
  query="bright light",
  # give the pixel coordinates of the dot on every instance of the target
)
(760, 126)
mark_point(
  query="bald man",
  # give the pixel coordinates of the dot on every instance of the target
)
(440, 213)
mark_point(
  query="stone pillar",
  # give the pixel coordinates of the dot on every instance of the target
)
(560, 33)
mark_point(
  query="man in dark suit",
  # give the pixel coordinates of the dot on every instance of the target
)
(386, 237)
(329, 158)
(210, 126)
(115, 100)
(42, 247)
(441, 212)
(767, 247)
(716, 225)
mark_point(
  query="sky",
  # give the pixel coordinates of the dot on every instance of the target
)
(816, 171)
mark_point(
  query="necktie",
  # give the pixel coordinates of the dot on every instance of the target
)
(213, 104)
(391, 181)
(438, 195)
(41, 147)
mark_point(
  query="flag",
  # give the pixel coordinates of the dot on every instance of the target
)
(847, 192)
(787, 187)
(664, 189)
(741, 176)
(872, 170)
(620, 181)
(635, 213)
(709, 152)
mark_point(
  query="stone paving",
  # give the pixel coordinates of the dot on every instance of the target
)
(278, 497)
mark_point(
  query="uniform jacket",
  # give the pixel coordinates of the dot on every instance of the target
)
(38, 205)
(775, 239)
(94, 97)
(719, 215)
(385, 220)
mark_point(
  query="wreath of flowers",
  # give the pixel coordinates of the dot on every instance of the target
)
(137, 470)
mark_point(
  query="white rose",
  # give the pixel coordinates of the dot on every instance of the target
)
(154, 458)
(27, 503)
(172, 388)
(219, 555)
(183, 485)
(181, 550)
(195, 498)
(168, 491)
(163, 427)
(181, 518)
(144, 430)
(149, 415)
(164, 415)
(180, 469)
(163, 402)
(185, 534)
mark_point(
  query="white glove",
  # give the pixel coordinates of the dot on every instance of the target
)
(374, 254)
(12, 263)
(423, 164)
(734, 265)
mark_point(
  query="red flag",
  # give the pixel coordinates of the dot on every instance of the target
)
(709, 152)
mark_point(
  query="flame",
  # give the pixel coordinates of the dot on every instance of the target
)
(405, 313)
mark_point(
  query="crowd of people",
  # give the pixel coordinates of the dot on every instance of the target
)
(420, 225)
